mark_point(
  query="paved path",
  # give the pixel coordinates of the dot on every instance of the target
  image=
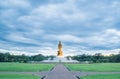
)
(60, 72)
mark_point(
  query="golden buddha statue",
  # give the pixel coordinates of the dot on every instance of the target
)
(60, 53)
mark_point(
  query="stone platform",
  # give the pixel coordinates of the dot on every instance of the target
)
(61, 59)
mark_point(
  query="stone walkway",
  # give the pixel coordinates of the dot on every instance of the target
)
(60, 72)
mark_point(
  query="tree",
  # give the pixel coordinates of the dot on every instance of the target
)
(7, 57)
(114, 58)
(2, 57)
(39, 57)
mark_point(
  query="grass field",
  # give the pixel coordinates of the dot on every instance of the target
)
(25, 67)
(113, 67)
(105, 76)
(18, 76)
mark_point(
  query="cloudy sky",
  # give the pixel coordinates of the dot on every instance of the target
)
(36, 26)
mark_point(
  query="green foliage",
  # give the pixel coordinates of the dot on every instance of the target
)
(113, 67)
(20, 58)
(18, 76)
(103, 76)
(114, 58)
(97, 58)
(37, 57)
(25, 67)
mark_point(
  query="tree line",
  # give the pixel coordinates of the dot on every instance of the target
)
(97, 58)
(7, 57)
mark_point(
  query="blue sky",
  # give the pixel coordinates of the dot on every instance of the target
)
(35, 26)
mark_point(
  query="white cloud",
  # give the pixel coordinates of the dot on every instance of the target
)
(87, 22)
(66, 11)
(113, 32)
(106, 38)
(19, 37)
(72, 52)
(15, 4)
(14, 52)
(112, 36)
(64, 37)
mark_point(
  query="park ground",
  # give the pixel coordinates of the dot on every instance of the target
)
(19, 67)
(29, 67)
(100, 67)
(18, 76)
(103, 76)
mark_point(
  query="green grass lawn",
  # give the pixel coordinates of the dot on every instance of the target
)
(113, 67)
(105, 76)
(25, 67)
(18, 76)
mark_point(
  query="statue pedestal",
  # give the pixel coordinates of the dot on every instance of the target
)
(61, 59)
